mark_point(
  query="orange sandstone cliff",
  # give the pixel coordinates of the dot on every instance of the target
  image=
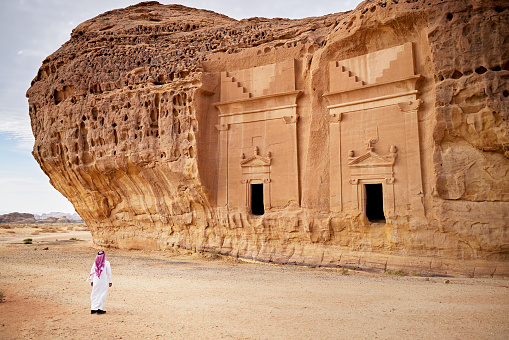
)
(375, 139)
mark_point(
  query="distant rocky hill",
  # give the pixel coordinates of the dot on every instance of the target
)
(53, 217)
(58, 215)
(17, 217)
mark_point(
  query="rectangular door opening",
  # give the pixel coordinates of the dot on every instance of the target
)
(257, 207)
(375, 203)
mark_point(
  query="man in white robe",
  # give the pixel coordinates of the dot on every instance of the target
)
(100, 275)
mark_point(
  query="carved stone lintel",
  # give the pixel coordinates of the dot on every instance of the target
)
(222, 127)
(411, 106)
(335, 117)
(290, 119)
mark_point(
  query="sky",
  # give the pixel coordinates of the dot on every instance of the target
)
(30, 30)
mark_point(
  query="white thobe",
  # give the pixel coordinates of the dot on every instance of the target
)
(100, 287)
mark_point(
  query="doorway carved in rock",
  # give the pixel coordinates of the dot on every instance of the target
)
(374, 203)
(257, 205)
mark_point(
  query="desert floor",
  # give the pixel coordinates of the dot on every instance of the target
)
(186, 295)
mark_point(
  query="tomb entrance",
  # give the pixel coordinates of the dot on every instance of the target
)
(258, 124)
(374, 202)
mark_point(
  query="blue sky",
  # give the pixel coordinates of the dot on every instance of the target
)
(30, 30)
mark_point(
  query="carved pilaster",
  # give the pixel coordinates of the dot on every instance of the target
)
(222, 127)
(291, 119)
(222, 188)
(410, 107)
(335, 117)
(410, 110)
(335, 198)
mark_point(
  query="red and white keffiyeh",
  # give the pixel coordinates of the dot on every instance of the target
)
(99, 263)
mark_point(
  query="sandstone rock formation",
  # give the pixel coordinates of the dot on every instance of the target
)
(17, 217)
(376, 138)
(58, 215)
(49, 220)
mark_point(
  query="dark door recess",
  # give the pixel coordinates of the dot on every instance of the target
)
(257, 199)
(375, 203)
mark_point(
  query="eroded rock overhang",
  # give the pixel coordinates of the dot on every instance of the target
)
(375, 138)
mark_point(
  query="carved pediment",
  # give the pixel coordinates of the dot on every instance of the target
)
(255, 160)
(372, 159)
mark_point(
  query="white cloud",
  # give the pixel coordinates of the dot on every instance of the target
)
(16, 124)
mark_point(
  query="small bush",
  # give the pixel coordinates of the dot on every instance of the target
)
(344, 271)
(27, 241)
(73, 239)
(1, 297)
(395, 272)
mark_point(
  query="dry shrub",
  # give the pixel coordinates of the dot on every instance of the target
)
(5, 226)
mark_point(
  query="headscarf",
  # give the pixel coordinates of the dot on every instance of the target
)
(99, 263)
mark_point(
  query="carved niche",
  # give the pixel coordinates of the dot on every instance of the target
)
(258, 111)
(373, 99)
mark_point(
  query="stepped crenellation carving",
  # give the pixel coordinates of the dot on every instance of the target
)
(232, 89)
(378, 133)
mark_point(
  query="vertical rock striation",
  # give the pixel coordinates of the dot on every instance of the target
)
(135, 120)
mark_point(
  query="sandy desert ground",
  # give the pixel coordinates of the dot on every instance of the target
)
(186, 295)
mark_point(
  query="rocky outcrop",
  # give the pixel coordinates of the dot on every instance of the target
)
(17, 217)
(49, 220)
(161, 123)
(58, 215)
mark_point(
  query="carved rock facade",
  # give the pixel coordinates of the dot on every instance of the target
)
(376, 138)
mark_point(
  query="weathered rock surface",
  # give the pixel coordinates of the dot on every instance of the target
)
(58, 215)
(17, 217)
(50, 220)
(158, 122)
